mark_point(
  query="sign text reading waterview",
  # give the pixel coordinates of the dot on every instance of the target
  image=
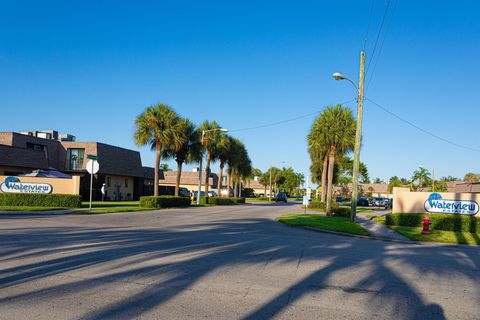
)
(14, 185)
(436, 204)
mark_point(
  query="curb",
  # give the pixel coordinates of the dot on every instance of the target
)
(418, 243)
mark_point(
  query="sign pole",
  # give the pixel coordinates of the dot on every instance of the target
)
(91, 186)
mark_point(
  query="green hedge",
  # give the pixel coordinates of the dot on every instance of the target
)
(40, 200)
(164, 201)
(321, 205)
(341, 212)
(447, 222)
(225, 201)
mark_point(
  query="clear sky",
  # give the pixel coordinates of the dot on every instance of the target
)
(89, 67)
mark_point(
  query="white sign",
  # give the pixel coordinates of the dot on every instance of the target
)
(309, 193)
(14, 185)
(436, 204)
(93, 166)
(305, 201)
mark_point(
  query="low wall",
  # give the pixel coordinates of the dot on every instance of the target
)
(20, 184)
(441, 202)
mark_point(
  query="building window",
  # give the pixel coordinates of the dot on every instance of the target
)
(126, 183)
(75, 159)
(109, 181)
(36, 147)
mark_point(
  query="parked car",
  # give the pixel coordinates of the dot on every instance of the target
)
(212, 193)
(282, 196)
(184, 192)
(378, 202)
(195, 193)
(388, 204)
(362, 202)
(338, 199)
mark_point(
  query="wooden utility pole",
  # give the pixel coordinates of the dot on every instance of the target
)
(358, 138)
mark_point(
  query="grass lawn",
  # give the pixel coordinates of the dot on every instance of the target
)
(111, 210)
(415, 233)
(109, 204)
(364, 210)
(17, 208)
(322, 222)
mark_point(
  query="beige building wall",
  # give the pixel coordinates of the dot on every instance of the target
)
(413, 202)
(121, 184)
(59, 185)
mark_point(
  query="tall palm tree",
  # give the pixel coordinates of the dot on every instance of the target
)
(160, 127)
(421, 175)
(223, 153)
(319, 150)
(189, 151)
(332, 134)
(239, 165)
(211, 140)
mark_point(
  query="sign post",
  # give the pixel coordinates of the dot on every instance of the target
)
(92, 168)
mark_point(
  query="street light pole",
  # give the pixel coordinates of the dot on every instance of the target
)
(358, 138)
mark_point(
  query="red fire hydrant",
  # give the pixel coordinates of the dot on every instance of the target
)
(426, 225)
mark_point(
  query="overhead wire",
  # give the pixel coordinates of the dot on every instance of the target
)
(420, 128)
(381, 45)
(372, 5)
(378, 36)
(286, 120)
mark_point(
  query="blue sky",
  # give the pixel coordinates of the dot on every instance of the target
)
(89, 67)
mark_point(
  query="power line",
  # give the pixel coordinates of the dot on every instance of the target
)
(381, 45)
(378, 36)
(286, 120)
(372, 5)
(421, 129)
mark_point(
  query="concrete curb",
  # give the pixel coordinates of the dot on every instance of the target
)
(419, 243)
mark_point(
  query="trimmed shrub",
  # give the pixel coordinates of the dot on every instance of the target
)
(40, 200)
(225, 201)
(447, 222)
(341, 212)
(321, 205)
(164, 201)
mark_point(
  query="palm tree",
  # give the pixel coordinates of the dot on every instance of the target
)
(160, 127)
(421, 175)
(334, 131)
(223, 152)
(211, 141)
(239, 165)
(318, 149)
(264, 180)
(188, 152)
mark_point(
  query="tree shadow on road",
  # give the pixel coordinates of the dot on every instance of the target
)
(169, 261)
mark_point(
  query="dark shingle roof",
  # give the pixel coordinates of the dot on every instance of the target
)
(20, 157)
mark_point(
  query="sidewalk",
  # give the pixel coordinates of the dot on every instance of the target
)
(377, 229)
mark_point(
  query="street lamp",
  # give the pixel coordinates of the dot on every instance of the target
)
(204, 132)
(358, 134)
(270, 195)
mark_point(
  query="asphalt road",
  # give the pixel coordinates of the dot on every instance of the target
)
(223, 263)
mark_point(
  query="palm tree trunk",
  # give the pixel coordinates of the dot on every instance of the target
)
(324, 177)
(331, 163)
(240, 189)
(220, 174)
(229, 183)
(179, 175)
(157, 168)
(265, 191)
(207, 173)
(235, 189)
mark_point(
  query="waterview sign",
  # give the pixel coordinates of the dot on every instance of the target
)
(14, 185)
(436, 204)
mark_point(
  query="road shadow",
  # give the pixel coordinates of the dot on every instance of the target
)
(206, 248)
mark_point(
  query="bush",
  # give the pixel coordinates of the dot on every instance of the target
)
(164, 201)
(447, 222)
(225, 201)
(321, 205)
(341, 212)
(40, 200)
(264, 198)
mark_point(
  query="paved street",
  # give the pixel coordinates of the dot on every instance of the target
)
(223, 263)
